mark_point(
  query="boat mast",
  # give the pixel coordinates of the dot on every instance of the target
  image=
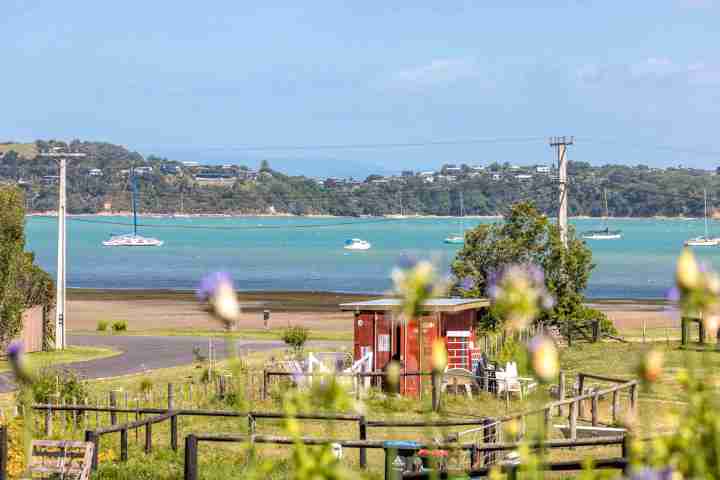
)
(462, 215)
(706, 224)
(605, 220)
(134, 194)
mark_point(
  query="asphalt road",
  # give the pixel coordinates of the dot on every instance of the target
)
(140, 353)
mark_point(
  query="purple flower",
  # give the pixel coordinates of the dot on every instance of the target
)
(406, 261)
(210, 283)
(547, 301)
(468, 283)
(652, 474)
(536, 274)
(673, 295)
(17, 363)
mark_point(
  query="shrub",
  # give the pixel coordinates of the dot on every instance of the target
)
(51, 381)
(295, 338)
(119, 326)
(102, 325)
(146, 385)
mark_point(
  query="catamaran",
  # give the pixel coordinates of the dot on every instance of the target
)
(703, 240)
(357, 244)
(132, 239)
(603, 233)
(458, 239)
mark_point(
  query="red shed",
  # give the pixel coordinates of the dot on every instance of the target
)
(380, 329)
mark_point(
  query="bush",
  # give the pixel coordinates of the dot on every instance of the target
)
(102, 325)
(295, 338)
(146, 385)
(119, 326)
(51, 381)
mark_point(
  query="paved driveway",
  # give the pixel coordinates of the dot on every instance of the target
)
(141, 353)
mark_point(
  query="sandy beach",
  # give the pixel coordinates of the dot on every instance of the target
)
(169, 310)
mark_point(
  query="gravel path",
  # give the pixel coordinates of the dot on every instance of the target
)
(141, 353)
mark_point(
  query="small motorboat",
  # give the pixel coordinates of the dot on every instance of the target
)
(604, 234)
(357, 244)
(455, 239)
(702, 241)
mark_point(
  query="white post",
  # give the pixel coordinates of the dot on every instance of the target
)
(61, 260)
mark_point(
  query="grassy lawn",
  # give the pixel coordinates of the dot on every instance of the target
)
(245, 334)
(69, 355)
(230, 460)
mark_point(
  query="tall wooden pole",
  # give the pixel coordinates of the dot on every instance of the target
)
(60, 317)
(560, 144)
(61, 260)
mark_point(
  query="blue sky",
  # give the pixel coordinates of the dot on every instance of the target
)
(201, 80)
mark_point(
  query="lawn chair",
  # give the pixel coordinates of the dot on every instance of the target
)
(509, 380)
(60, 459)
(460, 377)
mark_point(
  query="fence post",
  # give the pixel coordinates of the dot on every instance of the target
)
(148, 437)
(435, 390)
(173, 419)
(113, 404)
(362, 427)
(3, 452)
(123, 445)
(633, 399)
(266, 319)
(546, 423)
(684, 331)
(48, 421)
(95, 440)
(626, 454)
(191, 454)
(615, 406)
(251, 424)
(573, 420)
(561, 392)
(581, 391)
(596, 330)
(594, 409)
(265, 384)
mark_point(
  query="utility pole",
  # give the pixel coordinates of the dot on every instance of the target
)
(61, 157)
(560, 145)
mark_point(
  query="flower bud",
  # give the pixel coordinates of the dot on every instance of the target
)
(652, 366)
(544, 358)
(688, 274)
(439, 355)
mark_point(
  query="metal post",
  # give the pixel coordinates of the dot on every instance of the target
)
(191, 460)
(560, 144)
(362, 427)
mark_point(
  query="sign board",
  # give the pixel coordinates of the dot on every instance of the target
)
(383, 343)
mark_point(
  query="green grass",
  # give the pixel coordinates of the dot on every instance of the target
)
(245, 334)
(69, 355)
(27, 150)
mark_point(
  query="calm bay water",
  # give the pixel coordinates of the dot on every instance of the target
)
(264, 253)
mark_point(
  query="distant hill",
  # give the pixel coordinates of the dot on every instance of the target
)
(99, 182)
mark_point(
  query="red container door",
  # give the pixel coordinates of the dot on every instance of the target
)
(412, 358)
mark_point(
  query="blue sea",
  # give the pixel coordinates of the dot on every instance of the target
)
(298, 253)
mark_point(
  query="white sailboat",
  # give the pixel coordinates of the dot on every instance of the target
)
(703, 240)
(357, 244)
(604, 233)
(132, 239)
(458, 239)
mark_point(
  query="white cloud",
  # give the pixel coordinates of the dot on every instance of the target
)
(652, 71)
(438, 72)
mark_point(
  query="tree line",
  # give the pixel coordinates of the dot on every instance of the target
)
(632, 191)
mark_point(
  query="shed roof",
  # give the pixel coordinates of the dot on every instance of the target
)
(433, 305)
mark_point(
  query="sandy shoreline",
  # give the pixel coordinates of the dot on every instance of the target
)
(147, 310)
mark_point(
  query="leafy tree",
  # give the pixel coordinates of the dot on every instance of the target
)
(22, 283)
(527, 237)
